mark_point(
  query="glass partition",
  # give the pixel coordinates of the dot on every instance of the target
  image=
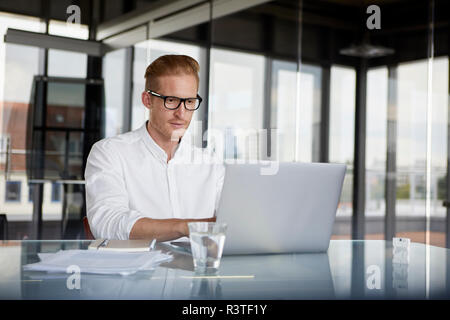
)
(296, 117)
(18, 65)
(376, 130)
(324, 75)
(411, 150)
(342, 137)
(72, 30)
(113, 73)
(439, 153)
(236, 106)
(62, 63)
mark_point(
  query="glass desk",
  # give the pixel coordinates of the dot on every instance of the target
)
(348, 270)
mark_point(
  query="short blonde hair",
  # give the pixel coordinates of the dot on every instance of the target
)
(170, 65)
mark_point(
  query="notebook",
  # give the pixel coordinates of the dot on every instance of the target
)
(122, 245)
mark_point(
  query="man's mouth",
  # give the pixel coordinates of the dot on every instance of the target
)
(177, 124)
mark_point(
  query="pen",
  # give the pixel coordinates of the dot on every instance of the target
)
(103, 244)
(152, 244)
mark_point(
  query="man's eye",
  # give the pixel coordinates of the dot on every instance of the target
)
(170, 100)
(190, 101)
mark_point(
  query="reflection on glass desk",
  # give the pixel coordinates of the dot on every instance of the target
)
(348, 270)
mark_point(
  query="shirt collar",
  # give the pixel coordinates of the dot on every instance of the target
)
(156, 150)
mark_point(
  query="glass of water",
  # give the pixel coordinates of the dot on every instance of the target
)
(207, 240)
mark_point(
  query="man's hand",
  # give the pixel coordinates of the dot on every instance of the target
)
(163, 229)
(185, 230)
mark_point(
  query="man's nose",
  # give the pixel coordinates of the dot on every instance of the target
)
(180, 112)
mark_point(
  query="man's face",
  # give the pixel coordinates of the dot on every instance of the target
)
(171, 124)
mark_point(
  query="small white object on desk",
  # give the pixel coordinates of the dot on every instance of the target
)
(400, 250)
(400, 263)
(152, 245)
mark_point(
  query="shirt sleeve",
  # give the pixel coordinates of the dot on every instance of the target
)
(219, 186)
(107, 206)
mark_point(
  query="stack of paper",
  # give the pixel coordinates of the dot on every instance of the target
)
(97, 261)
(122, 245)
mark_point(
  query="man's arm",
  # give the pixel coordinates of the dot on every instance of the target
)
(107, 200)
(163, 229)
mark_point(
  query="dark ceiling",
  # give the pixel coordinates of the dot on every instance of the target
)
(327, 26)
(274, 28)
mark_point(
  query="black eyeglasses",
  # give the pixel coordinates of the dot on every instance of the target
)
(173, 103)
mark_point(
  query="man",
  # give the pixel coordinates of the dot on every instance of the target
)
(139, 184)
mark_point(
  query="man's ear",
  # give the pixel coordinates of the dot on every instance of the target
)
(146, 100)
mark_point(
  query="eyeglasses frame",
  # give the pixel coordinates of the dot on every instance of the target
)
(182, 100)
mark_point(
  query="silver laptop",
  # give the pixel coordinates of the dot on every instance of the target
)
(290, 211)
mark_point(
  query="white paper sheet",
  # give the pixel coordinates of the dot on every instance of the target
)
(100, 262)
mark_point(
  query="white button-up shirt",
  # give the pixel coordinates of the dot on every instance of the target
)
(128, 178)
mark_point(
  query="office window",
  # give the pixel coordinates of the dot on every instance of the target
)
(439, 136)
(68, 64)
(76, 155)
(62, 63)
(113, 73)
(3, 144)
(56, 192)
(139, 113)
(297, 123)
(65, 105)
(309, 113)
(19, 74)
(411, 150)
(413, 93)
(236, 107)
(342, 140)
(284, 107)
(18, 65)
(12, 192)
(30, 192)
(376, 126)
(72, 30)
